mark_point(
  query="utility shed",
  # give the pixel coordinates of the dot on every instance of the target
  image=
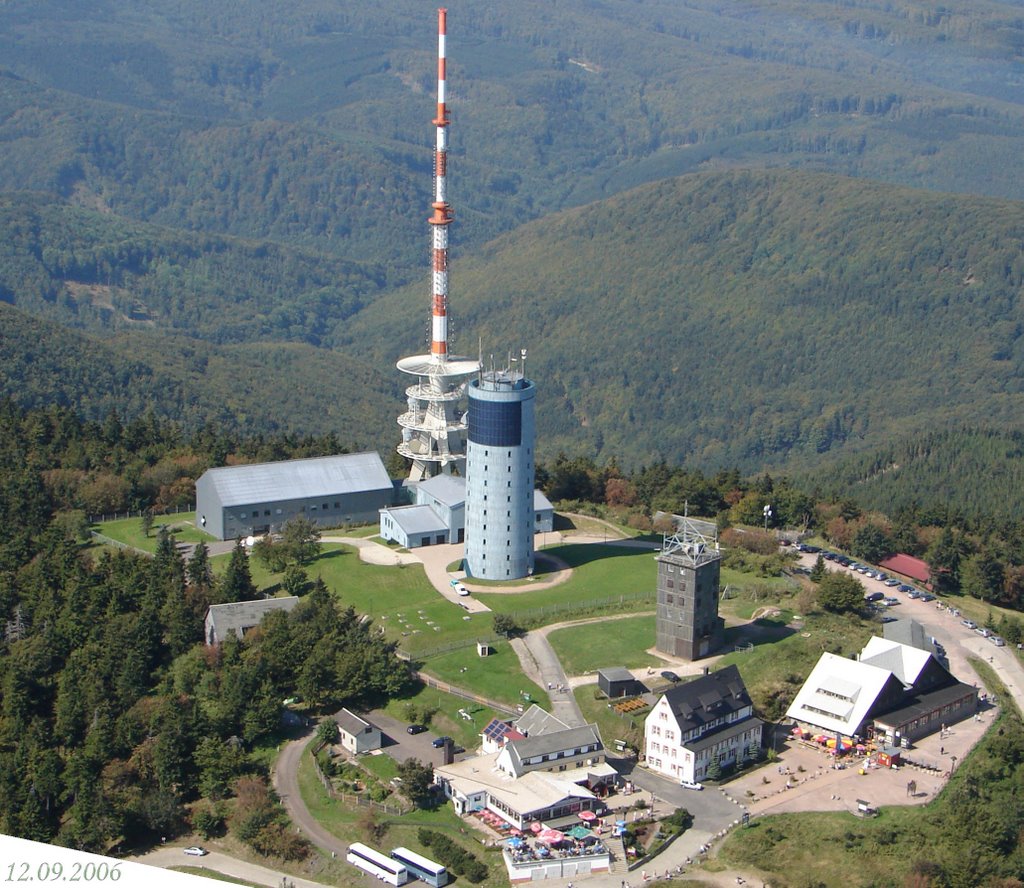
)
(357, 734)
(615, 681)
(331, 491)
(239, 617)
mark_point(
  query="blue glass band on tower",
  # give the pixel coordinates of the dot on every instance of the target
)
(496, 422)
(500, 517)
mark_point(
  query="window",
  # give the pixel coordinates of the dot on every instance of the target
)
(325, 506)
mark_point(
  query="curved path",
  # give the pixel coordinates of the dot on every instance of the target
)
(167, 857)
(285, 779)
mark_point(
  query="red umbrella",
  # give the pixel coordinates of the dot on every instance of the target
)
(536, 827)
(587, 815)
(550, 836)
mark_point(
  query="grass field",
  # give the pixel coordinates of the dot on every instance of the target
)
(583, 649)
(129, 530)
(447, 719)
(599, 572)
(498, 677)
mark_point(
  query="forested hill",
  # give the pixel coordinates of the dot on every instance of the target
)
(251, 389)
(974, 473)
(92, 270)
(749, 318)
(307, 121)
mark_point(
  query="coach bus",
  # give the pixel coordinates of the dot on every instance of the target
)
(426, 870)
(377, 864)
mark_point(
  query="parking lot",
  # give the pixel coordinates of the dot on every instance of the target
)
(401, 745)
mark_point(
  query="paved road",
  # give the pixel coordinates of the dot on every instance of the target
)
(285, 779)
(171, 856)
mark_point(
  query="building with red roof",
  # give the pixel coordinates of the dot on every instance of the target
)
(908, 566)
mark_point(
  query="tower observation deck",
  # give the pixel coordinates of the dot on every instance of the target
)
(434, 425)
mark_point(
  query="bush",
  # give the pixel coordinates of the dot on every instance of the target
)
(452, 855)
(679, 821)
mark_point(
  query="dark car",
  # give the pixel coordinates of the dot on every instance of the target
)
(438, 742)
(415, 729)
(874, 596)
(927, 596)
(669, 676)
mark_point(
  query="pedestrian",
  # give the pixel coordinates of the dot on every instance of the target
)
(942, 750)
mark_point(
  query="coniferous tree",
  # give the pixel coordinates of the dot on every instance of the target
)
(237, 584)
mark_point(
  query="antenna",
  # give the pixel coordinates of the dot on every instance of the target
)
(442, 216)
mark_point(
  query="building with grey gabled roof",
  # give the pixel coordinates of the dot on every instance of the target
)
(556, 751)
(537, 721)
(330, 491)
(356, 734)
(239, 617)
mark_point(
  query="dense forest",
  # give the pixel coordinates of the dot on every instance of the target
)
(117, 725)
(749, 318)
(223, 201)
(308, 122)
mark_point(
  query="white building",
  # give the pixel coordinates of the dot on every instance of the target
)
(357, 735)
(437, 514)
(697, 722)
(891, 689)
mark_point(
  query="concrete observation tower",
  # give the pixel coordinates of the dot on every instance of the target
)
(434, 427)
(500, 513)
(689, 566)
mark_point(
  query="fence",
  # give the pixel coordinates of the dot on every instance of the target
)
(138, 513)
(446, 688)
(427, 653)
(523, 618)
(349, 799)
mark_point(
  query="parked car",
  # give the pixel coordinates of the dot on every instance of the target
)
(415, 729)
(873, 596)
(891, 602)
(970, 624)
(438, 742)
(903, 587)
(686, 784)
(669, 676)
(461, 590)
(927, 596)
(891, 583)
(196, 851)
(997, 641)
(913, 593)
(983, 632)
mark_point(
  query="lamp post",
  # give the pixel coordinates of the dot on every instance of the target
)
(767, 515)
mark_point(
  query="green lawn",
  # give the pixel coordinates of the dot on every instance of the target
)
(623, 642)
(497, 677)
(129, 530)
(600, 572)
(447, 719)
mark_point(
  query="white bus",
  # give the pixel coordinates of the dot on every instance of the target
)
(377, 864)
(426, 870)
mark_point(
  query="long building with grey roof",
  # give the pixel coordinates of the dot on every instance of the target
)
(331, 491)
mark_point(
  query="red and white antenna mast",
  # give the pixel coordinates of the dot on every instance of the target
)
(442, 216)
(434, 425)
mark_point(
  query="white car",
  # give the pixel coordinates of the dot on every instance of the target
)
(196, 851)
(461, 590)
(686, 784)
